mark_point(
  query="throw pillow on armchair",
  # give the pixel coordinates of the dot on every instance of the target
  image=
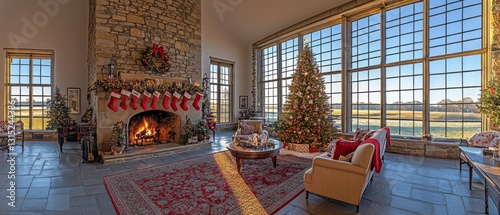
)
(344, 147)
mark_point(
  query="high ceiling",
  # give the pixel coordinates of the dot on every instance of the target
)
(252, 20)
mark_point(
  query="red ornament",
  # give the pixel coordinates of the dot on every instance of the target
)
(492, 90)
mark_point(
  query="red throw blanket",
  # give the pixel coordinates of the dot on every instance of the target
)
(376, 159)
(387, 137)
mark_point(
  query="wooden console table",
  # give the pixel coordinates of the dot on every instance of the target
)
(66, 134)
(488, 171)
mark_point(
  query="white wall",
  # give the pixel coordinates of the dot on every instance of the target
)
(65, 32)
(215, 42)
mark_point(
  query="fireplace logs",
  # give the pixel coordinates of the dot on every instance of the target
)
(152, 127)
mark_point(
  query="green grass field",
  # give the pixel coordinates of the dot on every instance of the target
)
(451, 124)
(38, 123)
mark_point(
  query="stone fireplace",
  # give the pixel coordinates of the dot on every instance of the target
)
(153, 127)
(119, 31)
(166, 122)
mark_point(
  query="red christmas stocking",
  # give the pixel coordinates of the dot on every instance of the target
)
(115, 95)
(165, 100)
(197, 98)
(173, 104)
(125, 94)
(145, 99)
(187, 96)
(156, 94)
(133, 101)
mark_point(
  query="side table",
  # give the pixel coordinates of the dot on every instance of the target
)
(64, 134)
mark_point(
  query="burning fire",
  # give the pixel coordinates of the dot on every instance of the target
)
(144, 131)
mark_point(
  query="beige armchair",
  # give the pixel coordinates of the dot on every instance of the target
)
(341, 180)
(246, 128)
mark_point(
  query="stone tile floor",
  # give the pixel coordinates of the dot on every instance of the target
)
(49, 182)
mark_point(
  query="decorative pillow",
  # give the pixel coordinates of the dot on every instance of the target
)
(331, 146)
(368, 135)
(301, 148)
(344, 147)
(360, 133)
(346, 158)
(246, 129)
(483, 139)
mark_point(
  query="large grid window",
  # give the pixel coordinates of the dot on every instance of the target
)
(454, 26)
(326, 44)
(270, 76)
(386, 68)
(404, 98)
(221, 91)
(289, 57)
(365, 42)
(365, 86)
(404, 33)
(29, 83)
(333, 88)
(455, 84)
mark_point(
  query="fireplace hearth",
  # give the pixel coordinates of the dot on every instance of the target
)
(153, 127)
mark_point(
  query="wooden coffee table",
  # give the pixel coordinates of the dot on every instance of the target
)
(241, 153)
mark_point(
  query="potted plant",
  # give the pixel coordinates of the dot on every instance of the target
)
(247, 113)
(106, 147)
(188, 132)
(490, 103)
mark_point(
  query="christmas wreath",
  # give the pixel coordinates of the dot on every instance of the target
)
(152, 53)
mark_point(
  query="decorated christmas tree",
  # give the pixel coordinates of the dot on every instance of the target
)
(58, 111)
(305, 115)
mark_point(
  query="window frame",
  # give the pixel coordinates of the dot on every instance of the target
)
(345, 19)
(229, 64)
(31, 54)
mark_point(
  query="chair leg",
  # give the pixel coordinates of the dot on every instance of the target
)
(357, 208)
(307, 194)
(371, 179)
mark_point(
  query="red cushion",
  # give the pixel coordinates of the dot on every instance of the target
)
(344, 147)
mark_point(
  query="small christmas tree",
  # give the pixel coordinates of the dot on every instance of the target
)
(118, 137)
(305, 116)
(58, 112)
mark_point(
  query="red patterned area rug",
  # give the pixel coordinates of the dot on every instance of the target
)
(209, 185)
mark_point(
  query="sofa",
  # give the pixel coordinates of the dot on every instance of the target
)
(346, 181)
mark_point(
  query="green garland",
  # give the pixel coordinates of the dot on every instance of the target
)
(150, 85)
(247, 144)
(148, 62)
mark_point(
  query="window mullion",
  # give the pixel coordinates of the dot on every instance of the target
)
(279, 67)
(346, 77)
(426, 76)
(31, 92)
(383, 100)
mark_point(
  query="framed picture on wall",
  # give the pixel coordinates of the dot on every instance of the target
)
(243, 102)
(74, 101)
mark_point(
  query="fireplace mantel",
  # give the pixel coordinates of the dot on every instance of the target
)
(161, 79)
